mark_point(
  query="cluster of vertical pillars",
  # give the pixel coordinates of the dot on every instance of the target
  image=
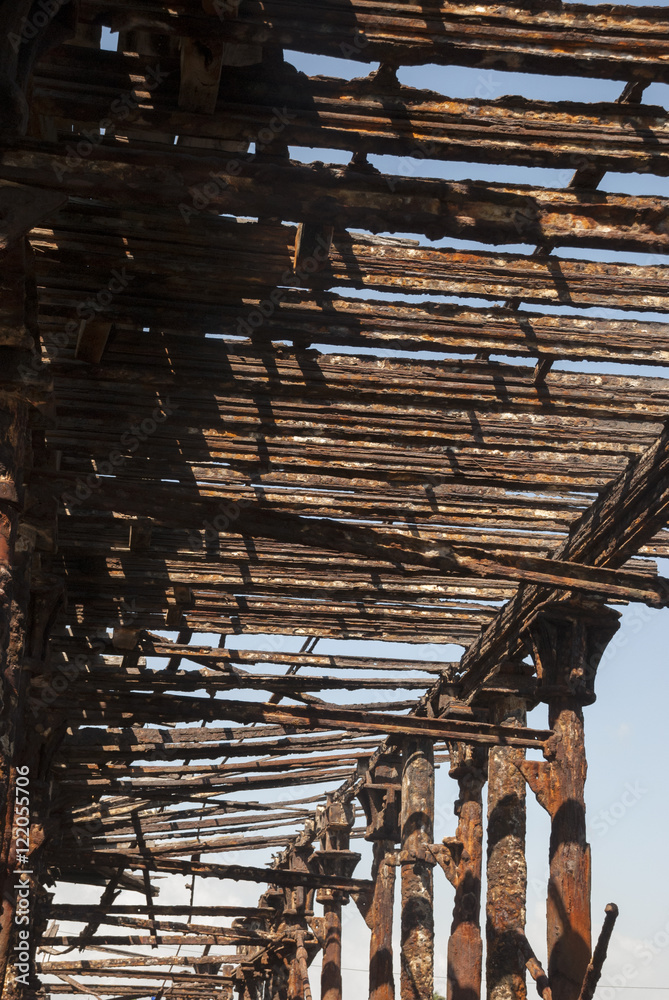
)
(507, 950)
(558, 783)
(567, 641)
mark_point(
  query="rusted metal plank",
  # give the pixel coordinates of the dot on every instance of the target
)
(435, 387)
(376, 323)
(343, 718)
(84, 911)
(628, 513)
(494, 213)
(24, 206)
(240, 657)
(242, 873)
(437, 553)
(572, 40)
(356, 261)
(195, 680)
(362, 116)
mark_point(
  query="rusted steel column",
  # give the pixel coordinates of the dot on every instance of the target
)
(417, 860)
(334, 823)
(380, 797)
(247, 984)
(568, 640)
(465, 948)
(295, 981)
(278, 985)
(381, 978)
(331, 970)
(506, 865)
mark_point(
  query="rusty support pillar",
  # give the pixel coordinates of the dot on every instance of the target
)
(465, 948)
(417, 860)
(295, 981)
(334, 823)
(567, 639)
(381, 978)
(278, 984)
(331, 970)
(380, 797)
(506, 865)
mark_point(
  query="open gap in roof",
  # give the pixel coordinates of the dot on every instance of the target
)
(489, 84)
(609, 255)
(595, 311)
(453, 170)
(612, 368)
(397, 354)
(657, 93)
(314, 65)
(109, 39)
(417, 298)
(311, 154)
(634, 184)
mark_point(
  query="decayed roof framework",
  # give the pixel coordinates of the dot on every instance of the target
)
(217, 422)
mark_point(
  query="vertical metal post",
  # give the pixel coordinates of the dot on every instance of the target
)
(278, 984)
(381, 978)
(331, 970)
(417, 860)
(465, 948)
(506, 865)
(295, 981)
(380, 797)
(568, 902)
(334, 823)
(568, 639)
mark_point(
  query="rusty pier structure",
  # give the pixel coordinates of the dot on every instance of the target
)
(252, 402)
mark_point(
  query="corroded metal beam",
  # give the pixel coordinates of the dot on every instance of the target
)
(356, 260)
(341, 197)
(573, 40)
(627, 514)
(244, 873)
(371, 115)
(260, 255)
(316, 715)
